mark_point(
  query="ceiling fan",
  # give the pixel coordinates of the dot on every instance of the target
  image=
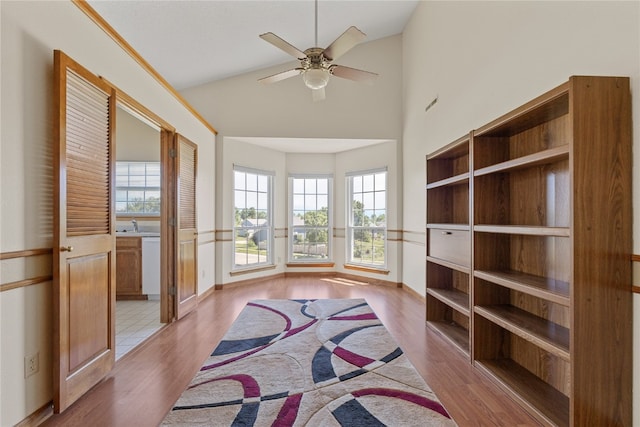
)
(316, 63)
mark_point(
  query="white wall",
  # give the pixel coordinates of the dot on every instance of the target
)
(240, 106)
(482, 59)
(135, 140)
(30, 31)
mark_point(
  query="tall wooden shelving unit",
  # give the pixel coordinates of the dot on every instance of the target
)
(448, 242)
(547, 304)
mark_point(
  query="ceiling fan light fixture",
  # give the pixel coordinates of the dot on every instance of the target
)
(316, 78)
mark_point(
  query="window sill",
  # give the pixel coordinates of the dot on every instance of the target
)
(366, 269)
(311, 264)
(252, 270)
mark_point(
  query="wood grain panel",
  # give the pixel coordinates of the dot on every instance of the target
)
(602, 245)
(129, 271)
(88, 309)
(187, 233)
(188, 277)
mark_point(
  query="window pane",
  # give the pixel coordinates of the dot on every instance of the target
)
(298, 186)
(310, 202)
(239, 199)
(121, 196)
(152, 195)
(241, 247)
(380, 200)
(152, 206)
(367, 201)
(138, 169)
(153, 181)
(252, 199)
(153, 169)
(381, 182)
(357, 184)
(367, 183)
(122, 180)
(239, 180)
(136, 195)
(323, 202)
(298, 202)
(263, 201)
(263, 183)
(252, 182)
(137, 181)
(323, 186)
(310, 186)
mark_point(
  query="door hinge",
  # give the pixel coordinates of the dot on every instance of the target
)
(172, 153)
(172, 222)
(172, 291)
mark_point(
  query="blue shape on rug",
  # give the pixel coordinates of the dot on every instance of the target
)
(353, 414)
(236, 346)
(321, 367)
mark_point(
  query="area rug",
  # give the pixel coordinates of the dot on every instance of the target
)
(325, 362)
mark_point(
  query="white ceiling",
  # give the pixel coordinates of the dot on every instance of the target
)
(194, 42)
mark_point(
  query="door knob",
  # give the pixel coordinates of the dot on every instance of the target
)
(66, 249)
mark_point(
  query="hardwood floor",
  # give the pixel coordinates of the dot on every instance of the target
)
(147, 381)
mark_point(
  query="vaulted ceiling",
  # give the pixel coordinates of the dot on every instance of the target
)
(194, 42)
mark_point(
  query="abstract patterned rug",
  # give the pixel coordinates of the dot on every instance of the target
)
(326, 362)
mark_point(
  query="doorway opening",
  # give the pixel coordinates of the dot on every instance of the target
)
(138, 184)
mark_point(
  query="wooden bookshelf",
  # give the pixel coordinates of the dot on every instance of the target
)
(548, 187)
(449, 243)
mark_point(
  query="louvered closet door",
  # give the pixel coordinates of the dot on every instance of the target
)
(187, 251)
(84, 237)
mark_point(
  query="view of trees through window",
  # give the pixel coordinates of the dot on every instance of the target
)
(367, 220)
(310, 219)
(252, 225)
(138, 188)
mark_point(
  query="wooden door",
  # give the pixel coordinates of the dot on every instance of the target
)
(84, 231)
(187, 237)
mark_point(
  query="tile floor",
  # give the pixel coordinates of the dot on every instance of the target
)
(135, 322)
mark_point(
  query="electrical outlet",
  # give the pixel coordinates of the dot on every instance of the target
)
(31, 364)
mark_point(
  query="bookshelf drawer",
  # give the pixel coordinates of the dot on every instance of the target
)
(450, 245)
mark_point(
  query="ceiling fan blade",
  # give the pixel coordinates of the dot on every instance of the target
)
(318, 94)
(281, 76)
(344, 43)
(283, 45)
(353, 74)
